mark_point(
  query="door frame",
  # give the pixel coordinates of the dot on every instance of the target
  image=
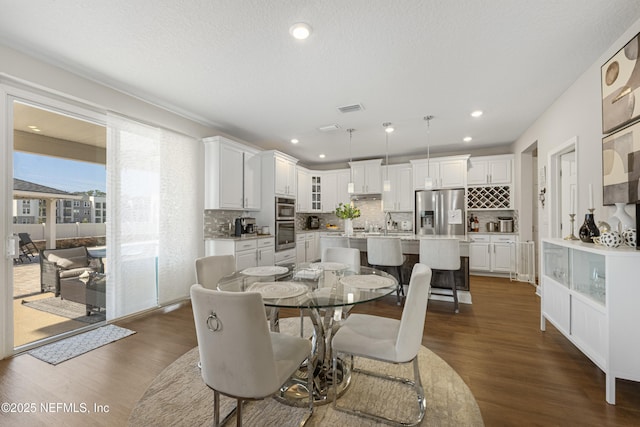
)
(16, 90)
(554, 192)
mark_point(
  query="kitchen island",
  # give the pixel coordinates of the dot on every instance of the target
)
(411, 249)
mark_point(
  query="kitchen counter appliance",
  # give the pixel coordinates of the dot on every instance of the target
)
(505, 224)
(245, 225)
(440, 212)
(313, 222)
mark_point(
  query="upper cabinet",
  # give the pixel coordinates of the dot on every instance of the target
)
(399, 198)
(366, 176)
(445, 172)
(311, 190)
(232, 175)
(343, 177)
(490, 170)
(285, 174)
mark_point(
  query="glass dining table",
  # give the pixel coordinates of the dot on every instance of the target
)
(321, 291)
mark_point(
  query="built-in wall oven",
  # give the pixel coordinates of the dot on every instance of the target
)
(285, 223)
(285, 209)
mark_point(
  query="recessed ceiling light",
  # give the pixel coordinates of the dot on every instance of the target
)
(388, 128)
(300, 31)
(32, 127)
(321, 156)
(36, 130)
(467, 139)
(476, 113)
(294, 141)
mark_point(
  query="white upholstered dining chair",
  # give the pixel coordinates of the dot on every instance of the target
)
(388, 340)
(210, 269)
(240, 357)
(349, 256)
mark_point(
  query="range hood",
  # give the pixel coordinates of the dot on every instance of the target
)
(364, 197)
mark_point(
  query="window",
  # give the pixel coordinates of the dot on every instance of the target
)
(26, 207)
(76, 203)
(87, 204)
(98, 205)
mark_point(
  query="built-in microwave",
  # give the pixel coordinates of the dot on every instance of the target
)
(285, 209)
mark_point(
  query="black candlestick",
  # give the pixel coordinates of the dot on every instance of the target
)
(589, 230)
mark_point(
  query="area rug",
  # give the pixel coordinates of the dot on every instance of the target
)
(179, 397)
(64, 308)
(76, 345)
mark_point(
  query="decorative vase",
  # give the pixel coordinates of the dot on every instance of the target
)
(348, 227)
(630, 237)
(611, 239)
(621, 221)
(588, 230)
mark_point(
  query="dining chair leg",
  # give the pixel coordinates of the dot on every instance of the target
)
(239, 413)
(216, 408)
(400, 290)
(454, 291)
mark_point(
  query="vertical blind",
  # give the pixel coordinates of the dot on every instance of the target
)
(152, 226)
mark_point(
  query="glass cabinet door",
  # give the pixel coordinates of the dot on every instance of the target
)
(556, 263)
(589, 275)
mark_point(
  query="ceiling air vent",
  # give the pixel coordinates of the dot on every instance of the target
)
(351, 108)
(328, 128)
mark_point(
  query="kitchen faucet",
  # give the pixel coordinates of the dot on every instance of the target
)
(387, 221)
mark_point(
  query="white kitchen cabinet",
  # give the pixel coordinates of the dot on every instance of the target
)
(329, 191)
(343, 178)
(310, 191)
(490, 170)
(307, 247)
(503, 254)
(445, 172)
(303, 199)
(590, 294)
(266, 251)
(232, 175)
(252, 178)
(479, 253)
(285, 175)
(492, 253)
(400, 197)
(367, 176)
(247, 252)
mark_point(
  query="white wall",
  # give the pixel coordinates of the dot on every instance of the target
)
(577, 112)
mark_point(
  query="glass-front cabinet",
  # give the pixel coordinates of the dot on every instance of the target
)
(590, 294)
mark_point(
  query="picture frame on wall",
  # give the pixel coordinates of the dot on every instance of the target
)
(621, 166)
(620, 85)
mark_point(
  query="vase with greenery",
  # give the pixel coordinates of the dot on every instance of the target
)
(347, 212)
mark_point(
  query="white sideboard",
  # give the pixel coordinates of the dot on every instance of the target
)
(591, 294)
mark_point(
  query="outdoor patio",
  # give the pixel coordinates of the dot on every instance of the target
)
(31, 324)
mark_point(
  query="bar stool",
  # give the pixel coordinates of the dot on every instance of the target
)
(332, 242)
(387, 252)
(442, 254)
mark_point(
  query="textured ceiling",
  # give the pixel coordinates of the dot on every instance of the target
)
(232, 64)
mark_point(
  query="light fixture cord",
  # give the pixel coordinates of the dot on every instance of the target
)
(387, 160)
(428, 118)
(350, 155)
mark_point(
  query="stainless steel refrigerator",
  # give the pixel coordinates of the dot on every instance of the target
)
(440, 212)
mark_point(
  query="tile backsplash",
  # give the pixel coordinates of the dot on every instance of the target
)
(371, 214)
(216, 222)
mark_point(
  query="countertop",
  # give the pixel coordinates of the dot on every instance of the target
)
(243, 237)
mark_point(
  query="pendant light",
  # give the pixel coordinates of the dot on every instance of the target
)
(350, 186)
(386, 184)
(428, 181)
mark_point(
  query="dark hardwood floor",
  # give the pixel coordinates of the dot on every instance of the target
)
(519, 375)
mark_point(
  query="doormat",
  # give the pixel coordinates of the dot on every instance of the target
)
(76, 345)
(65, 308)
